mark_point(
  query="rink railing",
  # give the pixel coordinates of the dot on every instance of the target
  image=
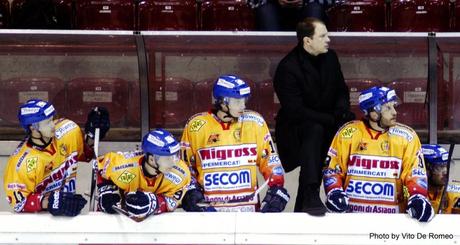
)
(228, 228)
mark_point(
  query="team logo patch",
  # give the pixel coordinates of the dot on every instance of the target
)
(63, 150)
(401, 132)
(385, 146)
(237, 134)
(64, 129)
(347, 133)
(31, 164)
(362, 146)
(126, 177)
(213, 138)
(196, 125)
(174, 178)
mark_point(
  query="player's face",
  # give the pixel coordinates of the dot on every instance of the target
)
(319, 42)
(388, 114)
(236, 106)
(47, 127)
(165, 163)
(439, 174)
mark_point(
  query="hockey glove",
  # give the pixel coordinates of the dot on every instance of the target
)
(65, 203)
(108, 196)
(275, 200)
(192, 198)
(337, 201)
(98, 117)
(418, 207)
(141, 204)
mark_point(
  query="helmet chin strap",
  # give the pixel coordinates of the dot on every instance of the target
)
(144, 169)
(44, 143)
(378, 121)
(226, 112)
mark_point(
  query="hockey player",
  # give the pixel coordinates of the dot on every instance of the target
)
(436, 159)
(41, 173)
(375, 165)
(151, 181)
(224, 148)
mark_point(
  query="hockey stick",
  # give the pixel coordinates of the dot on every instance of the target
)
(92, 199)
(449, 158)
(123, 212)
(243, 199)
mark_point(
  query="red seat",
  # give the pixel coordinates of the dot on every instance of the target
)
(171, 103)
(412, 93)
(202, 95)
(227, 15)
(33, 14)
(16, 91)
(105, 15)
(457, 16)
(86, 93)
(356, 86)
(420, 15)
(4, 13)
(357, 15)
(167, 15)
(268, 103)
(134, 105)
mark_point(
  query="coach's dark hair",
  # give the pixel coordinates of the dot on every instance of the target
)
(306, 28)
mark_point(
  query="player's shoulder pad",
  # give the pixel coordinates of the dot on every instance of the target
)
(349, 129)
(196, 122)
(404, 131)
(252, 116)
(179, 174)
(64, 126)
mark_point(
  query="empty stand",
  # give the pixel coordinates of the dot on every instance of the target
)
(412, 93)
(419, 15)
(105, 14)
(227, 15)
(268, 103)
(357, 15)
(4, 13)
(16, 91)
(86, 93)
(356, 86)
(202, 95)
(171, 102)
(41, 14)
(168, 15)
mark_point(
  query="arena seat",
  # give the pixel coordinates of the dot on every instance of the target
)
(105, 14)
(267, 101)
(16, 91)
(202, 95)
(419, 15)
(175, 107)
(227, 15)
(44, 14)
(168, 15)
(88, 92)
(356, 86)
(357, 15)
(4, 13)
(412, 93)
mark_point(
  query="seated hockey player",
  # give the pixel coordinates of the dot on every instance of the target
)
(436, 159)
(375, 165)
(225, 148)
(151, 181)
(41, 173)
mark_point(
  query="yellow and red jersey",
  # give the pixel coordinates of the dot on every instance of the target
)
(124, 169)
(32, 171)
(377, 170)
(225, 158)
(451, 200)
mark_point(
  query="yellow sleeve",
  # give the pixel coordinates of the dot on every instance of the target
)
(413, 173)
(336, 162)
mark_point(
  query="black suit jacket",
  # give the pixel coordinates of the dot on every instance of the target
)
(307, 96)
